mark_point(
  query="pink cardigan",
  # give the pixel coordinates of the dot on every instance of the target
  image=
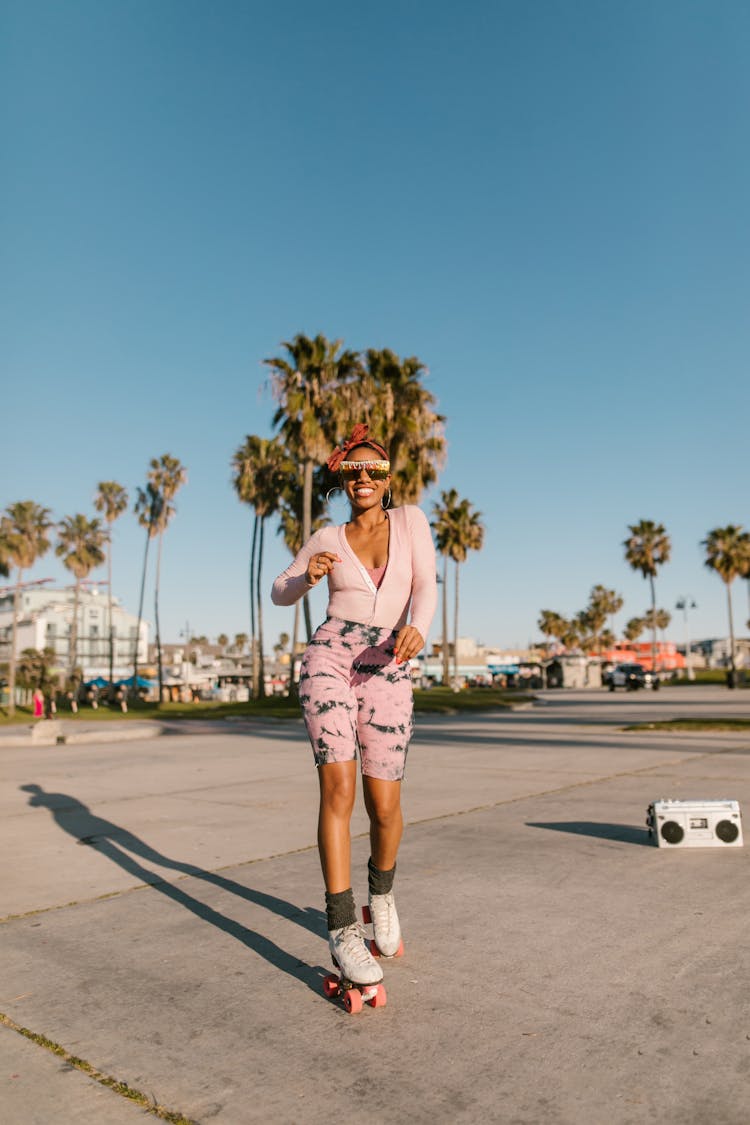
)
(410, 576)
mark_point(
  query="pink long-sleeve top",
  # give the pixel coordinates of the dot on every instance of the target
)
(409, 579)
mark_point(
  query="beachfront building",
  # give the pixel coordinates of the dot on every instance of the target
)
(45, 616)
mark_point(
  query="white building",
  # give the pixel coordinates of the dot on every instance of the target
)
(45, 617)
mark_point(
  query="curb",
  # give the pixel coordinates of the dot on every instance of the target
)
(132, 733)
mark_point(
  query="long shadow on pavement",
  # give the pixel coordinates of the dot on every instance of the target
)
(117, 843)
(625, 833)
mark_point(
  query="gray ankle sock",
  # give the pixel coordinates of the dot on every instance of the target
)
(379, 882)
(340, 909)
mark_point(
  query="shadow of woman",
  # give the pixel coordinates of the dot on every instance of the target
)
(121, 847)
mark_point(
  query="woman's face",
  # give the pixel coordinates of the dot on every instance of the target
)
(363, 490)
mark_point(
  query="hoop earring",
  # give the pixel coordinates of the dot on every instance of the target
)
(387, 500)
(336, 488)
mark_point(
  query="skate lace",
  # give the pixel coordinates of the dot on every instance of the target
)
(352, 944)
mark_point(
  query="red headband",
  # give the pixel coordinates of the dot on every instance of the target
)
(358, 436)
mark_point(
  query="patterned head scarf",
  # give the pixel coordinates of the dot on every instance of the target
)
(358, 436)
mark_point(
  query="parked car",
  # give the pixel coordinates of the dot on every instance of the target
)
(631, 677)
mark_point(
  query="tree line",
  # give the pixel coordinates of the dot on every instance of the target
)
(321, 391)
(84, 544)
(647, 548)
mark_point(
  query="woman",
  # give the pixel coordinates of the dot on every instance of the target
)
(355, 685)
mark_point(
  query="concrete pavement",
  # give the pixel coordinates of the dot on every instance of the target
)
(160, 918)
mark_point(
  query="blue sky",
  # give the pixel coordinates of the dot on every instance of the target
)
(546, 202)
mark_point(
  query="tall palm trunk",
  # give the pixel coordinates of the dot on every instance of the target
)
(261, 665)
(455, 628)
(109, 616)
(295, 633)
(73, 650)
(253, 635)
(733, 670)
(140, 614)
(446, 665)
(156, 618)
(307, 485)
(653, 622)
(14, 635)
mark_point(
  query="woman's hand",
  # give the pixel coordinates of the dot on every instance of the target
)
(408, 643)
(319, 566)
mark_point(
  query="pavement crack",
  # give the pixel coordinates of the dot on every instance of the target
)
(114, 1084)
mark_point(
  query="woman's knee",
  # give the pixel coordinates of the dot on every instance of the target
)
(338, 783)
(383, 801)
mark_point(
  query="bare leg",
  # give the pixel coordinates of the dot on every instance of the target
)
(338, 783)
(383, 804)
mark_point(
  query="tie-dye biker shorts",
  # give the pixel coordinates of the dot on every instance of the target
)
(354, 694)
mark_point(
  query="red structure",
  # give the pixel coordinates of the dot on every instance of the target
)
(668, 659)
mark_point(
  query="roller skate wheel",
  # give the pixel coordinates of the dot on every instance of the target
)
(353, 1000)
(331, 986)
(379, 1000)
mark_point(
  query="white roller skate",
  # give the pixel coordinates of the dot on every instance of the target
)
(351, 955)
(360, 977)
(386, 931)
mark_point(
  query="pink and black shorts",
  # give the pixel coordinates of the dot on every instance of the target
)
(354, 694)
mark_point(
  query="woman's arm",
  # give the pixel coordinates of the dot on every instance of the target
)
(292, 583)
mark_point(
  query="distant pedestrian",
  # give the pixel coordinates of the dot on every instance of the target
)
(38, 702)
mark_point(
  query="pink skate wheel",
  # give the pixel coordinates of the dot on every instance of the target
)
(400, 951)
(353, 1000)
(379, 1000)
(331, 986)
(373, 948)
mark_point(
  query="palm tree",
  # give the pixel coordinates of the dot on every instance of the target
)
(646, 549)
(35, 667)
(4, 548)
(24, 540)
(458, 530)
(633, 629)
(390, 397)
(167, 475)
(148, 506)
(307, 387)
(659, 618)
(261, 467)
(111, 500)
(605, 603)
(240, 640)
(290, 527)
(728, 553)
(81, 547)
(552, 624)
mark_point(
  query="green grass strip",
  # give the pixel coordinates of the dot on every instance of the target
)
(106, 1080)
(436, 700)
(693, 724)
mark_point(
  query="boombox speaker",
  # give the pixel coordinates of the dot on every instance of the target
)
(695, 824)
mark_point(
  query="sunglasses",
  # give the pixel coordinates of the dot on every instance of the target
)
(376, 470)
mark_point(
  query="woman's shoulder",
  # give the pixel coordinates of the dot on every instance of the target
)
(324, 536)
(409, 514)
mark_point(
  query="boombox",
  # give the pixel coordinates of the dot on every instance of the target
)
(695, 824)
